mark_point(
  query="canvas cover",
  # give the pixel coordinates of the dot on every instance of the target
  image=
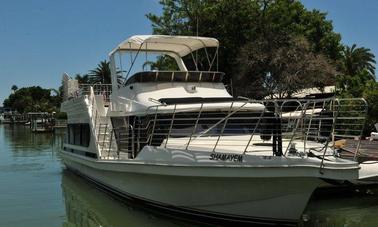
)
(180, 45)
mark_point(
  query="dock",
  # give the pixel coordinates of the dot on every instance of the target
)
(368, 150)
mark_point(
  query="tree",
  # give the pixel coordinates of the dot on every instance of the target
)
(239, 22)
(371, 96)
(101, 74)
(31, 99)
(357, 79)
(14, 88)
(280, 70)
(56, 99)
(357, 67)
(355, 60)
(82, 79)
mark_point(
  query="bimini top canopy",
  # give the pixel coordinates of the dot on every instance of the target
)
(180, 45)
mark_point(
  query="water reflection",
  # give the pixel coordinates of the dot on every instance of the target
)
(349, 207)
(30, 178)
(21, 139)
(88, 206)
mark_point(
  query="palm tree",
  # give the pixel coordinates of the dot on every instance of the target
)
(14, 88)
(101, 74)
(357, 68)
(82, 79)
(357, 59)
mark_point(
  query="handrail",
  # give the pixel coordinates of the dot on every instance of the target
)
(96, 89)
(175, 76)
(132, 141)
(95, 120)
(221, 120)
(111, 140)
(332, 134)
(222, 131)
(316, 124)
(253, 133)
(94, 114)
(195, 126)
(308, 128)
(170, 127)
(153, 128)
(296, 126)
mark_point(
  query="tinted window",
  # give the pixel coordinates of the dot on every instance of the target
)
(78, 134)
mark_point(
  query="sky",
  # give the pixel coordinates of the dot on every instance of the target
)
(42, 39)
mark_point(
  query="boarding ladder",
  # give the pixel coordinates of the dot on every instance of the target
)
(105, 138)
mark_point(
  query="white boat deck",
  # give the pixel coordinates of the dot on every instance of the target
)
(236, 144)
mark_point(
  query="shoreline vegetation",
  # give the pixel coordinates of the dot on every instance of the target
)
(38, 99)
(268, 49)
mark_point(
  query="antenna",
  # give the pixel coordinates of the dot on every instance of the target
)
(197, 23)
(197, 19)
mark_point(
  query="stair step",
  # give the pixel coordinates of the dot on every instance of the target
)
(103, 133)
(104, 141)
(107, 143)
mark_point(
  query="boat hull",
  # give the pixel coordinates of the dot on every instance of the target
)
(243, 199)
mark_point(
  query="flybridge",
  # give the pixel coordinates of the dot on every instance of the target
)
(150, 67)
(147, 50)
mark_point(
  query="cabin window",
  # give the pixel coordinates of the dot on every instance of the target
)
(133, 62)
(78, 134)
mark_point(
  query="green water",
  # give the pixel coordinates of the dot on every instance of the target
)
(35, 190)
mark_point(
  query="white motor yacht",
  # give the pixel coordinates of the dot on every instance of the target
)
(175, 139)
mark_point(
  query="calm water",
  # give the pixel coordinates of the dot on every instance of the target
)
(35, 190)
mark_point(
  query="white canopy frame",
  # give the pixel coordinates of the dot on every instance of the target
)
(180, 45)
(174, 46)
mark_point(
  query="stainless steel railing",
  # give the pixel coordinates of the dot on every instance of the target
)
(102, 131)
(175, 76)
(285, 127)
(98, 89)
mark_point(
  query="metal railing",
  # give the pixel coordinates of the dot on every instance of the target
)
(60, 123)
(98, 89)
(101, 134)
(285, 127)
(175, 76)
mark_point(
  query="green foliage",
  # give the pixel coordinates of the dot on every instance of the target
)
(280, 70)
(101, 74)
(61, 115)
(371, 96)
(33, 99)
(357, 79)
(242, 24)
(355, 60)
(357, 68)
(83, 79)
(163, 63)
(353, 85)
(14, 88)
